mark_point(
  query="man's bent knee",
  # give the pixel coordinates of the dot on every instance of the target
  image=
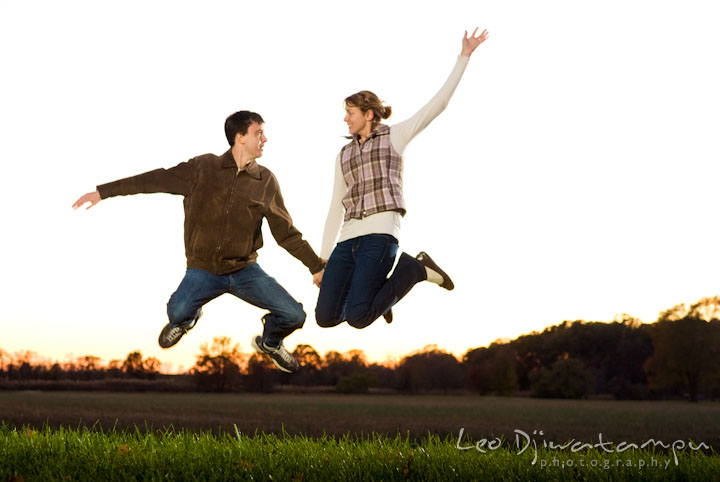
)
(294, 316)
(300, 317)
(180, 313)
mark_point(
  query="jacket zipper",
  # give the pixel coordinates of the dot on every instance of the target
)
(228, 204)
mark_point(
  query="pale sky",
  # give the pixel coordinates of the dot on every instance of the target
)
(574, 174)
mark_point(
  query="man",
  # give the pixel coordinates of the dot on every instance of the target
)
(225, 200)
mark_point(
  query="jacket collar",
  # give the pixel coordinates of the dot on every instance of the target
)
(380, 130)
(252, 168)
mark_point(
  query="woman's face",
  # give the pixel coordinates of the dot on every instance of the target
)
(358, 123)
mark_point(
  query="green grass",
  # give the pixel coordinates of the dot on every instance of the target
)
(92, 454)
(151, 436)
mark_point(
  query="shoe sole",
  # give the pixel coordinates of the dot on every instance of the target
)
(176, 341)
(254, 344)
(428, 262)
(165, 345)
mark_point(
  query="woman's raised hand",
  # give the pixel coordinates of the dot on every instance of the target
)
(469, 44)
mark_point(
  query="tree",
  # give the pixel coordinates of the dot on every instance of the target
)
(55, 372)
(568, 378)
(686, 343)
(383, 376)
(612, 353)
(4, 359)
(88, 362)
(133, 365)
(151, 366)
(310, 363)
(115, 368)
(261, 374)
(26, 356)
(707, 309)
(25, 371)
(624, 370)
(356, 357)
(492, 369)
(88, 368)
(685, 355)
(356, 383)
(218, 366)
(337, 365)
(430, 369)
(307, 356)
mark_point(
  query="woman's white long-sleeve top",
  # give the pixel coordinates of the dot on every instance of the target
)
(386, 222)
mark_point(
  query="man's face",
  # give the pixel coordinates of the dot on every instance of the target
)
(253, 142)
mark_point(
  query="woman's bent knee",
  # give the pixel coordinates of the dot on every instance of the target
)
(359, 320)
(326, 320)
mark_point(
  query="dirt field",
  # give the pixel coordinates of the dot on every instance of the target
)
(416, 416)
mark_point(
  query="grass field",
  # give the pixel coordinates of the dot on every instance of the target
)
(82, 454)
(114, 436)
(337, 415)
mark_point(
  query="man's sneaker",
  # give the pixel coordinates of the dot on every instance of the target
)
(171, 334)
(429, 263)
(279, 356)
(388, 315)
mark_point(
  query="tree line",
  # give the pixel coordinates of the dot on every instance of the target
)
(678, 356)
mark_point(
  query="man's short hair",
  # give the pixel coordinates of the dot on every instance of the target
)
(239, 122)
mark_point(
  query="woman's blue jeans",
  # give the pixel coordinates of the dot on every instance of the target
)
(250, 284)
(355, 287)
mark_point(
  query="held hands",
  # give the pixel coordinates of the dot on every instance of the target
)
(317, 277)
(469, 44)
(92, 197)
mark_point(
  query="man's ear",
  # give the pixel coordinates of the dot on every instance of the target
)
(239, 138)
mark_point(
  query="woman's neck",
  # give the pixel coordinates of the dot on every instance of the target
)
(365, 133)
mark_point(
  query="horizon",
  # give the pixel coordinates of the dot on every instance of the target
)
(167, 368)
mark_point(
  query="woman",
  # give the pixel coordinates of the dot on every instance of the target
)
(354, 286)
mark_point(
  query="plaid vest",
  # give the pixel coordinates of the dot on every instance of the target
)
(373, 174)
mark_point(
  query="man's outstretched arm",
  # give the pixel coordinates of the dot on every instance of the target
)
(91, 198)
(176, 180)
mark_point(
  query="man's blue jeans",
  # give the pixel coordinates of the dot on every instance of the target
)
(250, 284)
(355, 287)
